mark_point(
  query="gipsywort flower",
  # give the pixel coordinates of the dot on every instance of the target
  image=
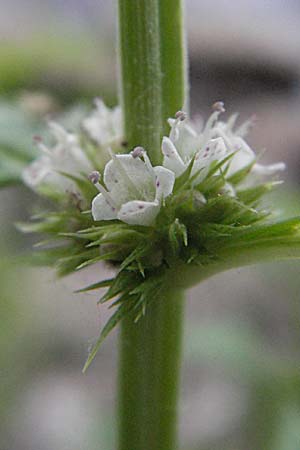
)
(68, 155)
(135, 189)
(65, 157)
(104, 125)
(214, 141)
(195, 215)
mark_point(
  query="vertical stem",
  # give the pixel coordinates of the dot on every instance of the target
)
(149, 376)
(152, 74)
(141, 90)
(173, 58)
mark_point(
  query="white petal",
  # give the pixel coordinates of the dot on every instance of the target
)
(271, 169)
(104, 125)
(164, 182)
(187, 142)
(243, 157)
(214, 151)
(210, 124)
(102, 210)
(172, 159)
(117, 122)
(42, 172)
(139, 212)
(245, 127)
(231, 121)
(130, 176)
(58, 131)
(63, 137)
(34, 174)
(100, 106)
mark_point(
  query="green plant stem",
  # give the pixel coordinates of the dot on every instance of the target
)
(149, 376)
(152, 89)
(185, 276)
(173, 59)
(141, 76)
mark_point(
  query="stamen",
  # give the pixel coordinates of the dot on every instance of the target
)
(94, 177)
(41, 146)
(231, 121)
(137, 152)
(180, 115)
(220, 133)
(246, 126)
(218, 106)
(148, 164)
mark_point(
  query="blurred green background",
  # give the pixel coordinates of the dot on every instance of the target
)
(241, 375)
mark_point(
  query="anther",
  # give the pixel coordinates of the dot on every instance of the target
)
(94, 177)
(218, 106)
(37, 139)
(137, 152)
(180, 115)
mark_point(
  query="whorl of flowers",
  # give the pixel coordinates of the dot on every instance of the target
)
(201, 208)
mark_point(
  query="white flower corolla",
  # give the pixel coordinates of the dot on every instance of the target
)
(65, 156)
(104, 125)
(214, 142)
(134, 189)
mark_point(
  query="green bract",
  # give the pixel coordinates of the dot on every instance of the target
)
(208, 218)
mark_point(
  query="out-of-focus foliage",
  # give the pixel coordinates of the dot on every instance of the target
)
(67, 65)
(16, 144)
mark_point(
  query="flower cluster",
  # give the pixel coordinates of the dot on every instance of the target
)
(213, 142)
(72, 156)
(198, 212)
(136, 190)
(133, 191)
(65, 157)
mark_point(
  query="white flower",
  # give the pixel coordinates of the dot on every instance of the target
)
(65, 156)
(214, 142)
(134, 189)
(104, 125)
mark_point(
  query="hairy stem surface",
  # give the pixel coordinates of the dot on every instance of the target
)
(152, 89)
(149, 376)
